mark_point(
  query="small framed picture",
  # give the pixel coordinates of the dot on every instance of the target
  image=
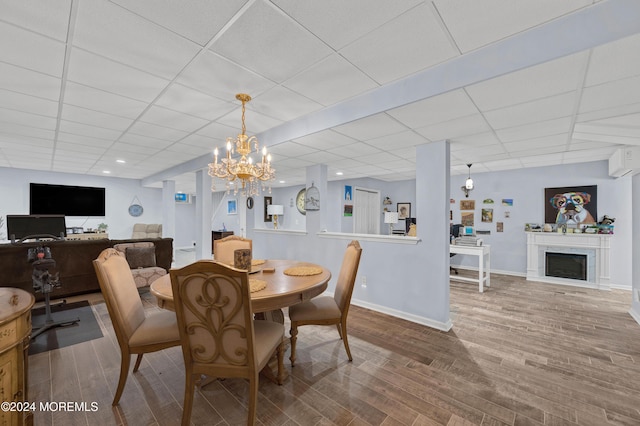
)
(232, 206)
(267, 203)
(404, 210)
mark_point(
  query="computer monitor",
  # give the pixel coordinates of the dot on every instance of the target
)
(467, 231)
(455, 230)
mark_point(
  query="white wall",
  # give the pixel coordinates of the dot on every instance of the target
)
(119, 193)
(635, 305)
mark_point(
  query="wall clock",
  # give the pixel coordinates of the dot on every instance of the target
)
(135, 210)
(249, 203)
(300, 201)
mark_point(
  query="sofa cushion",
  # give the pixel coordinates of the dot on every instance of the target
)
(141, 257)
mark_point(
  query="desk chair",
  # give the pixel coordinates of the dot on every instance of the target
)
(219, 336)
(327, 310)
(454, 231)
(135, 332)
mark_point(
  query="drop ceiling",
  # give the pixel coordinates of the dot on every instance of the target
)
(145, 90)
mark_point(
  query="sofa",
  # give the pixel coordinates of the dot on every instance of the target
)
(141, 256)
(146, 230)
(73, 263)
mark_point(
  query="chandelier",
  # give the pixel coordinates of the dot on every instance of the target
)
(242, 172)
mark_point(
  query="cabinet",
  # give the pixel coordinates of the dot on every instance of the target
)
(15, 332)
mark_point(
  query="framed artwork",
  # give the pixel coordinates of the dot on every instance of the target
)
(499, 227)
(507, 201)
(571, 205)
(467, 205)
(348, 210)
(487, 215)
(267, 202)
(232, 206)
(404, 210)
(347, 193)
(467, 219)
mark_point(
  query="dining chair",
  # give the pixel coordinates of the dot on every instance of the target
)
(219, 336)
(136, 332)
(223, 248)
(326, 310)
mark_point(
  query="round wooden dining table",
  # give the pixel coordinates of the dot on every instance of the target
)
(280, 292)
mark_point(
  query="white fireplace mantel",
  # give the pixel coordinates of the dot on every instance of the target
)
(595, 246)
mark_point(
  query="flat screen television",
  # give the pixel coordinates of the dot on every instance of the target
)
(35, 226)
(66, 200)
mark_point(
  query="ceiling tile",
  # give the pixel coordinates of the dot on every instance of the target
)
(283, 104)
(265, 40)
(371, 127)
(331, 80)
(86, 130)
(530, 112)
(42, 16)
(382, 54)
(29, 82)
(9, 116)
(610, 95)
(437, 109)
(172, 119)
(111, 31)
(95, 118)
(540, 81)
(199, 22)
(325, 140)
(99, 100)
(535, 130)
(101, 73)
(193, 102)
(499, 18)
(32, 51)
(155, 131)
(398, 140)
(338, 22)
(614, 61)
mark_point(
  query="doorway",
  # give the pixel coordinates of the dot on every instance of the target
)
(366, 211)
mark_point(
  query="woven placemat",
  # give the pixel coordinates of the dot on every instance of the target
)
(256, 285)
(256, 262)
(303, 271)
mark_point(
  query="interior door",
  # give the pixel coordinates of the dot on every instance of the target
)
(366, 211)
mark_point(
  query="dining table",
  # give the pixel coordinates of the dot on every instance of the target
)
(281, 291)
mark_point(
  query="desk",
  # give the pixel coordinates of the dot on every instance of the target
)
(484, 263)
(281, 291)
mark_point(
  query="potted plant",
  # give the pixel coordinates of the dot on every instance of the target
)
(102, 227)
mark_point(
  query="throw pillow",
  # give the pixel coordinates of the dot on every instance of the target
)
(141, 257)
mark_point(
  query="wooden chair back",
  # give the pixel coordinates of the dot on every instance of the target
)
(347, 277)
(223, 248)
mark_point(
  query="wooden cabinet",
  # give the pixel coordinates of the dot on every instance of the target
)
(15, 332)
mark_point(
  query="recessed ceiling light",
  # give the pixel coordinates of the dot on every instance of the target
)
(283, 181)
(106, 172)
(339, 173)
(120, 161)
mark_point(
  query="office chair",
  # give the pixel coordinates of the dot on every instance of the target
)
(454, 231)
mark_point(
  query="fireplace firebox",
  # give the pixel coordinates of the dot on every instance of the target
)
(566, 265)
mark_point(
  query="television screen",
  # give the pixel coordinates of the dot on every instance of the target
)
(22, 226)
(66, 200)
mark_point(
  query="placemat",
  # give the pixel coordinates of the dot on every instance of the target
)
(256, 262)
(256, 285)
(303, 271)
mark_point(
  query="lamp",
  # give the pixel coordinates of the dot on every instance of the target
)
(275, 210)
(468, 185)
(242, 170)
(390, 218)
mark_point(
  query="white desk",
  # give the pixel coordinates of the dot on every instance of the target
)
(484, 263)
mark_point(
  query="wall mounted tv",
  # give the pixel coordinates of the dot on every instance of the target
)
(23, 226)
(66, 200)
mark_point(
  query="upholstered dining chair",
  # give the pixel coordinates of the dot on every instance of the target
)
(223, 248)
(219, 336)
(136, 332)
(326, 310)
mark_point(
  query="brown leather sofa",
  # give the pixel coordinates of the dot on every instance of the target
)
(73, 262)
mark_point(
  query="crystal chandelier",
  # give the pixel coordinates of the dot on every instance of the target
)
(242, 171)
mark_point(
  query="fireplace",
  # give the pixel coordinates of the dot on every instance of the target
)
(566, 265)
(573, 252)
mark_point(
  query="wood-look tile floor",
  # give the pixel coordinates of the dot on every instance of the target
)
(522, 353)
